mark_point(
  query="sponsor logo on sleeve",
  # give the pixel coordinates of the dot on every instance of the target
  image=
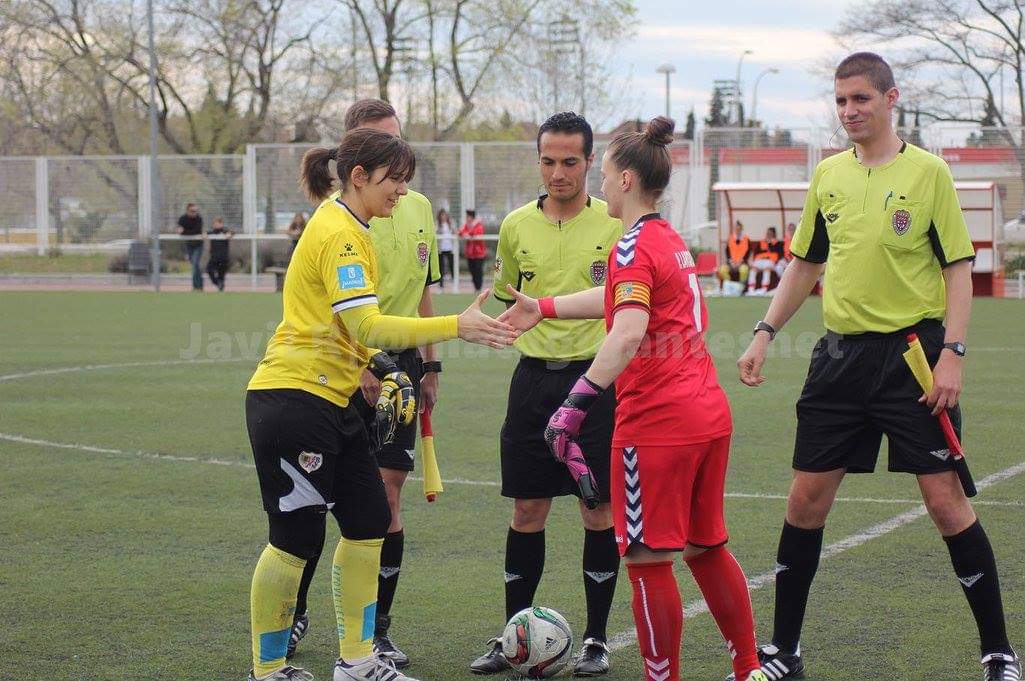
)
(351, 276)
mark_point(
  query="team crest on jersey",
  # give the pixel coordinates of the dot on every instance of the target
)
(901, 222)
(422, 252)
(309, 462)
(598, 271)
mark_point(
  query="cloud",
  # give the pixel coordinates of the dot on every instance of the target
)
(770, 44)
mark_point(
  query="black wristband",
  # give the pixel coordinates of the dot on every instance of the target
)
(432, 367)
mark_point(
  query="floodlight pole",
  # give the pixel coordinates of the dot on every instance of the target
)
(736, 94)
(667, 69)
(754, 92)
(154, 183)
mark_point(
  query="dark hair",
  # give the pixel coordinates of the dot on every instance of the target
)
(368, 111)
(646, 153)
(770, 229)
(371, 149)
(471, 212)
(190, 205)
(870, 65)
(568, 123)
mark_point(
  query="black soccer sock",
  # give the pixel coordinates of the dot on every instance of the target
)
(797, 559)
(524, 563)
(307, 579)
(976, 569)
(601, 570)
(391, 564)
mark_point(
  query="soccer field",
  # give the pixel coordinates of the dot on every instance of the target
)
(130, 518)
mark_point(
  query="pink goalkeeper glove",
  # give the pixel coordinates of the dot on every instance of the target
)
(564, 426)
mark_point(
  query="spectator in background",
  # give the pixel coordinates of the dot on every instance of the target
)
(476, 249)
(446, 245)
(217, 264)
(295, 230)
(191, 225)
(738, 252)
(767, 255)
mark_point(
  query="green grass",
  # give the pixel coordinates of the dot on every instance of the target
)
(124, 566)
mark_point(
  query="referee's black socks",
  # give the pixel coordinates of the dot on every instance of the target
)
(524, 563)
(976, 569)
(797, 560)
(601, 569)
(391, 565)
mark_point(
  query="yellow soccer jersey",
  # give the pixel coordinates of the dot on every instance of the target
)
(333, 269)
(544, 258)
(886, 232)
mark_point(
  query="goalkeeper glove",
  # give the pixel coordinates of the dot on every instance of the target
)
(397, 402)
(564, 426)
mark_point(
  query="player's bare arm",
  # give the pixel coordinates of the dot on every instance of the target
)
(797, 282)
(946, 385)
(620, 346)
(526, 312)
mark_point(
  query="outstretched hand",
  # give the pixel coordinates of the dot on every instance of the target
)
(477, 327)
(524, 313)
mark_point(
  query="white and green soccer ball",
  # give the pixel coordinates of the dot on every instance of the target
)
(537, 642)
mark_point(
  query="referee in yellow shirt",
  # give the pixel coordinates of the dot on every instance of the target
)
(886, 217)
(407, 252)
(555, 245)
(310, 445)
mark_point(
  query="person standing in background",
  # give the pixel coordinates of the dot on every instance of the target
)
(446, 245)
(191, 225)
(476, 249)
(295, 230)
(217, 263)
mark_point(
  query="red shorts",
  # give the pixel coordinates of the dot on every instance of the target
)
(667, 497)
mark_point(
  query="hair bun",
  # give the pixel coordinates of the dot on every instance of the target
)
(660, 131)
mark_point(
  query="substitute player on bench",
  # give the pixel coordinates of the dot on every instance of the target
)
(556, 244)
(311, 447)
(673, 424)
(886, 216)
(407, 256)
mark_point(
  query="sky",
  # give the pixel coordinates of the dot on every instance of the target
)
(704, 40)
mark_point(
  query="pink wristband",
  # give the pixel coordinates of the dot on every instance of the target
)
(547, 307)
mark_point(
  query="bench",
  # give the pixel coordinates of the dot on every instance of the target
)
(279, 277)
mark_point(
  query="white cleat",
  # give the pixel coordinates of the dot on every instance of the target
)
(287, 673)
(374, 668)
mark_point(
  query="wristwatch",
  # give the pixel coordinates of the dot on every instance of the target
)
(432, 367)
(765, 326)
(957, 347)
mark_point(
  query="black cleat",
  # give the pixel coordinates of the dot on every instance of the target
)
(593, 659)
(299, 626)
(383, 645)
(1001, 667)
(491, 662)
(777, 665)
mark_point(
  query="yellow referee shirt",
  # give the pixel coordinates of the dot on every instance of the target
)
(407, 251)
(333, 269)
(886, 232)
(544, 258)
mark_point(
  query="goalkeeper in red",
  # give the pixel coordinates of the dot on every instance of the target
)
(672, 435)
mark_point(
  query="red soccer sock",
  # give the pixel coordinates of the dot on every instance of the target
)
(658, 617)
(724, 586)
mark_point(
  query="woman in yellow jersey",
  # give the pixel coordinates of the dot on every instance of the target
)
(311, 448)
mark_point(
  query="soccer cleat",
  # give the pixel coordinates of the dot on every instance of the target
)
(1000, 667)
(286, 673)
(299, 626)
(491, 662)
(593, 659)
(384, 646)
(775, 666)
(374, 668)
(757, 675)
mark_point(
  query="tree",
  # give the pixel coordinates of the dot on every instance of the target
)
(688, 131)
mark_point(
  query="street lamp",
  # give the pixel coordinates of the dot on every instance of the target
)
(754, 92)
(736, 99)
(667, 69)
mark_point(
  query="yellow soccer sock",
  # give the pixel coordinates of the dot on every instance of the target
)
(354, 573)
(272, 607)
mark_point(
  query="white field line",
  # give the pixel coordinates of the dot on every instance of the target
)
(120, 365)
(629, 637)
(21, 439)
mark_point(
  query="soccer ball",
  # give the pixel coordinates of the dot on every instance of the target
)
(537, 642)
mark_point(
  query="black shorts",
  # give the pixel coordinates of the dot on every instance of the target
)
(400, 454)
(529, 471)
(311, 454)
(859, 388)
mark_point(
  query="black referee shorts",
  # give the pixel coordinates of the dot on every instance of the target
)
(860, 388)
(398, 455)
(311, 454)
(529, 471)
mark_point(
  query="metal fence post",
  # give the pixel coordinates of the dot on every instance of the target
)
(467, 198)
(42, 205)
(145, 200)
(249, 209)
